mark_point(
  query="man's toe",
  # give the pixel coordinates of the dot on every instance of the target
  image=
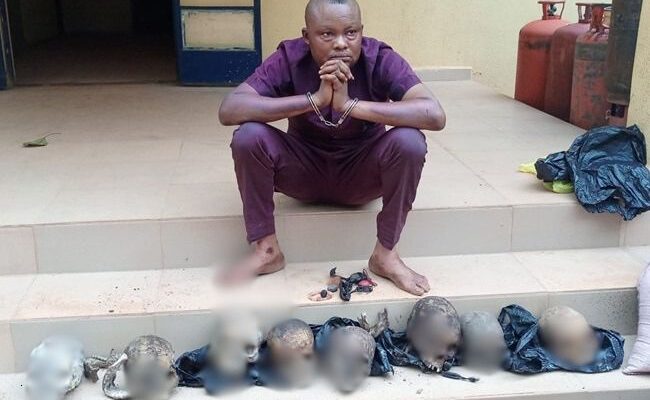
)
(423, 283)
(417, 290)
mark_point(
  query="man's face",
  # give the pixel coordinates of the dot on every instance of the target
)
(334, 31)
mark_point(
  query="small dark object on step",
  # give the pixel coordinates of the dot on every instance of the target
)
(334, 281)
(359, 282)
(367, 283)
(364, 289)
(321, 295)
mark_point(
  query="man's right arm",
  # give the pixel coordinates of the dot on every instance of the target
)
(244, 104)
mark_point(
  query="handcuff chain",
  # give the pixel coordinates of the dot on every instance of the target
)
(341, 120)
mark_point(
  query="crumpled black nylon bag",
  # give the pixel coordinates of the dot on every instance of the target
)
(392, 350)
(607, 166)
(527, 356)
(380, 364)
(194, 370)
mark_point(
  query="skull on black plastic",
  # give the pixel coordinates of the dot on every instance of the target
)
(291, 344)
(148, 364)
(433, 330)
(483, 345)
(235, 343)
(349, 356)
(567, 334)
(55, 368)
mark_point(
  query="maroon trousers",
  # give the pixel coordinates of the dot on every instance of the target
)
(349, 172)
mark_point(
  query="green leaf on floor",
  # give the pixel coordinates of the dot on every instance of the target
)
(40, 142)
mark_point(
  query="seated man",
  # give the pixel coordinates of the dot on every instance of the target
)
(339, 90)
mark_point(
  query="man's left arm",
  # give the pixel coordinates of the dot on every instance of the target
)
(419, 109)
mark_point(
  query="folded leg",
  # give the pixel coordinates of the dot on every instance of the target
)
(268, 160)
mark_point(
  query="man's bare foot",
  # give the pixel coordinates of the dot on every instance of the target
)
(387, 264)
(266, 258)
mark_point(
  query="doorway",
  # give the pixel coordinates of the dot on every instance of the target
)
(86, 42)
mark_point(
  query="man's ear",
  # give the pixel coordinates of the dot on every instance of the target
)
(305, 35)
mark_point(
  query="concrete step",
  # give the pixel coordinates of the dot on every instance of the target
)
(408, 384)
(108, 309)
(310, 235)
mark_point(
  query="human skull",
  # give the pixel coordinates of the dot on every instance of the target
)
(567, 334)
(349, 356)
(148, 364)
(55, 368)
(483, 345)
(235, 343)
(291, 344)
(433, 329)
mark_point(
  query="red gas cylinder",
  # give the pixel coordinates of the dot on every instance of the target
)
(560, 69)
(533, 54)
(589, 103)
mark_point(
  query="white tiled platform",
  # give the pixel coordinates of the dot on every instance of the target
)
(114, 229)
(142, 178)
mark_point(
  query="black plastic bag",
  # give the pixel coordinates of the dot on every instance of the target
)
(380, 364)
(607, 166)
(194, 370)
(392, 350)
(528, 356)
(395, 347)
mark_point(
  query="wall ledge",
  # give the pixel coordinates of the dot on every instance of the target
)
(432, 74)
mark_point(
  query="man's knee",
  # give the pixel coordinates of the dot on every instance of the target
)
(249, 137)
(408, 142)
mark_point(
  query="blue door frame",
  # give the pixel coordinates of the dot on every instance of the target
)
(216, 67)
(6, 55)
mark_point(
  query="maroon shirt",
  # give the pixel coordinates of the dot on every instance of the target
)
(380, 75)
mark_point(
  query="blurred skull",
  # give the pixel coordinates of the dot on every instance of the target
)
(55, 368)
(567, 334)
(235, 343)
(483, 344)
(433, 329)
(291, 344)
(149, 371)
(349, 356)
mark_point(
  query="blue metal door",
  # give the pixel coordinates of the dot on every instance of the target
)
(218, 42)
(6, 56)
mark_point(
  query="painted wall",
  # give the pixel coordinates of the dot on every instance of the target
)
(639, 108)
(482, 34)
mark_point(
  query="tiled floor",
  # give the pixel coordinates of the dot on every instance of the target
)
(138, 152)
